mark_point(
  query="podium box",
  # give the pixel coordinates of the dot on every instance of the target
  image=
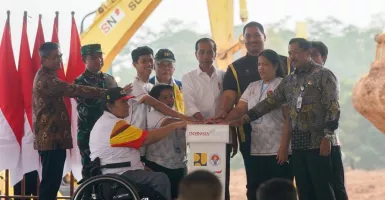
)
(207, 149)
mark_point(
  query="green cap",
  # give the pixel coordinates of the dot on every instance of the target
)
(91, 48)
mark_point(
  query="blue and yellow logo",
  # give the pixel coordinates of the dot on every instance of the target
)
(200, 159)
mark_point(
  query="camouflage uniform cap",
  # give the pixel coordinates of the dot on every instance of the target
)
(91, 48)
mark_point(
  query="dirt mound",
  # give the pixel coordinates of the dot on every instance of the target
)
(368, 96)
(361, 185)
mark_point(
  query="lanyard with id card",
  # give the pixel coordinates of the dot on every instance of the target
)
(177, 147)
(299, 100)
(262, 91)
(177, 143)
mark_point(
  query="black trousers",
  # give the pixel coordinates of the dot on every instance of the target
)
(30, 179)
(175, 175)
(53, 163)
(316, 176)
(338, 174)
(244, 148)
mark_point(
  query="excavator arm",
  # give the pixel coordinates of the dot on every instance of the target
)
(116, 21)
(222, 29)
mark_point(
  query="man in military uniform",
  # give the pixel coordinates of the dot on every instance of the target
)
(89, 110)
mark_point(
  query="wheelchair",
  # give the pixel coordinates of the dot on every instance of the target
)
(96, 186)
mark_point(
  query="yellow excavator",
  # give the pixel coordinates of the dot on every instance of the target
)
(116, 21)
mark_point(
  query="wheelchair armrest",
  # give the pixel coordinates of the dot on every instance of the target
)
(111, 166)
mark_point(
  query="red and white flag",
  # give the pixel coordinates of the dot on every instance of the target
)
(61, 75)
(55, 38)
(29, 160)
(75, 68)
(11, 104)
(39, 40)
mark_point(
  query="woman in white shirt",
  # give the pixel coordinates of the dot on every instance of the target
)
(270, 135)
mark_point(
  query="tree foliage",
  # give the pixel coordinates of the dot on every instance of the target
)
(351, 50)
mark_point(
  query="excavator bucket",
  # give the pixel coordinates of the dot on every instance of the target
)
(368, 94)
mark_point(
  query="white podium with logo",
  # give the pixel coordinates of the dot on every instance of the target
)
(207, 149)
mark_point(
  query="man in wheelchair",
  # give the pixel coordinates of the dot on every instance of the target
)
(113, 140)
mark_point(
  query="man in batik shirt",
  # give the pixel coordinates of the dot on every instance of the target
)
(89, 110)
(311, 92)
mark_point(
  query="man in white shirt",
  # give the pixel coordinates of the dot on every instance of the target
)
(113, 140)
(202, 90)
(202, 87)
(143, 61)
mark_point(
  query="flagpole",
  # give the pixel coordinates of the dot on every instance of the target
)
(23, 180)
(8, 16)
(7, 171)
(39, 40)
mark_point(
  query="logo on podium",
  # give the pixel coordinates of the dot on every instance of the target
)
(200, 159)
(215, 160)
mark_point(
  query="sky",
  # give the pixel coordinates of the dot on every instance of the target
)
(189, 11)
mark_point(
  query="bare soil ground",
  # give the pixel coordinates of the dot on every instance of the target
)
(361, 185)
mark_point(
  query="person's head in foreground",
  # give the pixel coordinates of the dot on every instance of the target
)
(163, 93)
(200, 185)
(299, 52)
(277, 189)
(319, 52)
(117, 102)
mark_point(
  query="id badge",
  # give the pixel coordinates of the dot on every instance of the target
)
(177, 147)
(299, 102)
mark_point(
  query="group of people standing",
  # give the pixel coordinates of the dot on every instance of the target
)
(283, 112)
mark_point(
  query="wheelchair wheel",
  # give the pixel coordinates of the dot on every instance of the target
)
(106, 187)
